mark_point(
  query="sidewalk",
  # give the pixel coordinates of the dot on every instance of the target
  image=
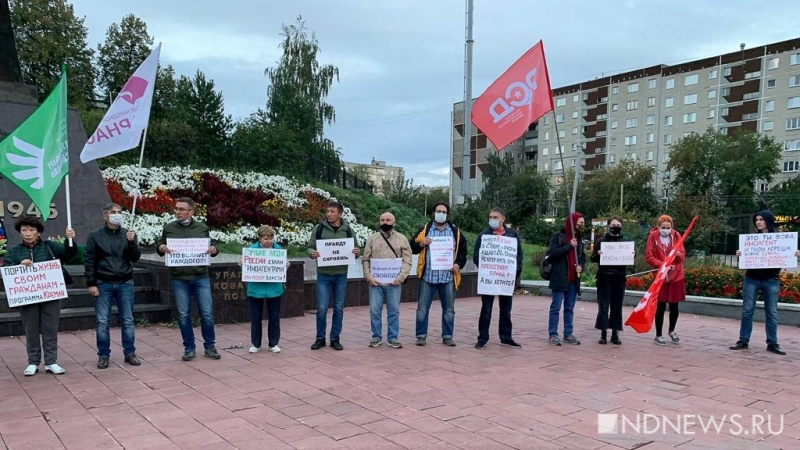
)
(433, 397)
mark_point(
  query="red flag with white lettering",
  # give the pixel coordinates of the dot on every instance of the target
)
(515, 100)
(641, 319)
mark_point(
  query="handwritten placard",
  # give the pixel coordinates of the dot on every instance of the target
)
(441, 248)
(768, 250)
(37, 283)
(385, 271)
(617, 253)
(264, 265)
(188, 252)
(497, 265)
(335, 252)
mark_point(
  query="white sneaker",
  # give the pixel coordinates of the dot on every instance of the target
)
(30, 370)
(54, 369)
(254, 349)
(275, 349)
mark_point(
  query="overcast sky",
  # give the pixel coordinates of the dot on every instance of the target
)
(401, 62)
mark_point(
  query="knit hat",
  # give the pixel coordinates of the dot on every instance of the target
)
(665, 218)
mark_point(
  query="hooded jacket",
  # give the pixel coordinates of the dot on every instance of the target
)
(608, 271)
(562, 255)
(655, 254)
(764, 274)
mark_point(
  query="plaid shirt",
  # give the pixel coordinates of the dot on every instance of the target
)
(437, 276)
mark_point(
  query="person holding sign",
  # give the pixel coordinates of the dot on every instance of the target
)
(329, 243)
(660, 243)
(40, 320)
(190, 280)
(766, 280)
(108, 263)
(387, 263)
(568, 258)
(611, 274)
(498, 267)
(267, 291)
(442, 251)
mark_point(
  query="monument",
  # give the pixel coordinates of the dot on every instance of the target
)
(88, 193)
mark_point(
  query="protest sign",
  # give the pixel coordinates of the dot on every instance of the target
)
(768, 250)
(385, 271)
(497, 265)
(441, 249)
(335, 252)
(37, 283)
(617, 253)
(264, 265)
(188, 252)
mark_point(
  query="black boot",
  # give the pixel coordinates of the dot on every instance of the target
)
(603, 335)
(615, 338)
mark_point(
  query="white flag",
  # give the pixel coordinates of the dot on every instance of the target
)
(121, 127)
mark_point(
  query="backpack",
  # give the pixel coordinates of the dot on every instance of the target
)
(546, 267)
(319, 231)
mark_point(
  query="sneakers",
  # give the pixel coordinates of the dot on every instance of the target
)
(395, 344)
(510, 343)
(375, 343)
(30, 370)
(318, 344)
(554, 341)
(421, 341)
(188, 355)
(102, 363)
(571, 339)
(480, 345)
(336, 345)
(775, 348)
(674, 336)
(659, 341)
(55, 369)
(449, 342)
(254, 349)
(132, 360)
(275, 349)
(211, 352)
(740, 345)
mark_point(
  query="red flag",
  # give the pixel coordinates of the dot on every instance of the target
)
(641, 319)
(515, 100)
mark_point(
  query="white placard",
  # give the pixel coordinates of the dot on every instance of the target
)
(385, 271)
(768, 250)
(335, 252)
(40, 282)
(441, 248)
(617, 253)
(264, 265)
(188, 252)
(497, 265)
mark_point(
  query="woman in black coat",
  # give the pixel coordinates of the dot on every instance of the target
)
(610, 286)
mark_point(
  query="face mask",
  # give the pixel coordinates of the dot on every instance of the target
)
(579, 228)
(385, 227)
(614, 230)
(115, 219)
(665, 233)
(494, 223)
(440, 217)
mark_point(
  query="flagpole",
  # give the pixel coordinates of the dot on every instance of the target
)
(570, 203)
(138, 178)
(69, 209)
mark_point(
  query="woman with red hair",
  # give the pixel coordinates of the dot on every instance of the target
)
(661, 241)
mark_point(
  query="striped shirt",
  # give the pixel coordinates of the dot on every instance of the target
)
(437, 276)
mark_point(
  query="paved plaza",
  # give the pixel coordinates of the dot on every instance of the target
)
(432, 397)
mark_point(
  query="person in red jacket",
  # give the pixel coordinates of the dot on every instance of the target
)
(660, 242)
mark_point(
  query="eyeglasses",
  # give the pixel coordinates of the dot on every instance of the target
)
(182, 209)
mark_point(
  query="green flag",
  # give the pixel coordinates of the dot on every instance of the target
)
(35, 156)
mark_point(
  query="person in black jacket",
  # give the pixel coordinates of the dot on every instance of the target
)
(497, 227)
(445, 282)
(565, 278)
(610, 286)
(108, 262)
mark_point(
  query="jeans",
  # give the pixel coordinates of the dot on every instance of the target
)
(40, 321)
(273, 323)
(200, 289)
(391, 294)
(568, 299)
(324, 284)
(447, 295)
(485, 319)
(769, 294)
(610, 293)
(118, 293)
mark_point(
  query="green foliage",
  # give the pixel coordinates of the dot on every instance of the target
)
(202, 108)
(601, 193)
(537, 230)
(785, 199)
(472, 216)
(401, 190)
(125, 47)
(268, 147)
(520, 194)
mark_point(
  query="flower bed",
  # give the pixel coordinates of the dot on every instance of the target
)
(724, 282)
(233, 205)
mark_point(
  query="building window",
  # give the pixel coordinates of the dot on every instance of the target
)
(794, 59)
(670, 83)
(651, 83)
(559, 149)
(614, 124)
(561, 133)
(751, 116)
(572, 163)
(630, 156)
(793, 124)
(690, 80)
(669, 102)
(648, 155)
(773, 63)
(771, 83)
(585, 97)
(724, 112)
(651, 101)
(726, 72)
(561, 102)
(575, 98)
(791, 166)
(712, 93)
(546, 136)
(690, 99)
(751, 95)
(574, 130)
(546, 166)
(612, 158)
(686, 134)
(690, 118)
(665, 157)
(613, 141)
(794, 81)
(651, 119)
(770, 105)
(711, 114)
(547, 120)
(614, 107)
(632, 105)
(631, 123)
(557, 165)
(633, 87)
(574, 114)
(726, 92)
(794, 102)
(650, 138)
(723, 130)
(615, 90)
(630, 140)
(559, 118)
(712, 74)
(792, 145)
(668, 121)
(768, 125)
(545, 151)
(601, 133)
(668, 139)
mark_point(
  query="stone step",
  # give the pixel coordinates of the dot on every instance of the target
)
(73, 319)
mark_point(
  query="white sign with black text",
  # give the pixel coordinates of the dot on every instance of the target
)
(497, 265)
(188, 252)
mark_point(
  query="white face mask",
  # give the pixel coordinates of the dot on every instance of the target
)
(440, 217)
(115, 219)
(494, 223)
(665, 233)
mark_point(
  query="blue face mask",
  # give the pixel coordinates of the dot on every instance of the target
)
(494, 223)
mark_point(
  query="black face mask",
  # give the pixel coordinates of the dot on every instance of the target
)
(615, 230)
(385, 227)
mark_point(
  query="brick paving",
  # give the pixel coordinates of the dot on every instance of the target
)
(433, 397)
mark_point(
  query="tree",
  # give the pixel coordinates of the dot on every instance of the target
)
(297, 92)
(125, 47)
(48, 34)
(165, 94)
(267, 147)
(785, 198)
(400, 191)
(601, 193)
(203, 109)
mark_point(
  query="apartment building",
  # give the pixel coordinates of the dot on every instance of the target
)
(639, 114)
(376, 172)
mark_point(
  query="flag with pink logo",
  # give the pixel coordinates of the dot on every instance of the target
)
(122, 126)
